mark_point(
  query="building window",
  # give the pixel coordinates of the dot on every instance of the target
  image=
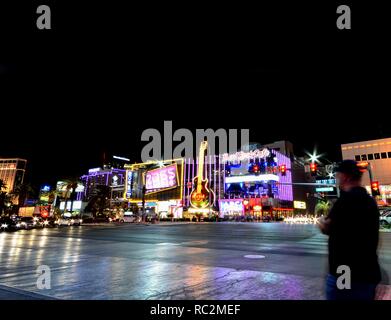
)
(377, 156)
(384, 155)
(389, 154)
(370, 156)
(364, 157)
(358, 158)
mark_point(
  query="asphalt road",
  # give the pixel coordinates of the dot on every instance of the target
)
(171, 261)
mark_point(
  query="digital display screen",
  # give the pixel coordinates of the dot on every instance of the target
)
(162, 178)
(231, 206)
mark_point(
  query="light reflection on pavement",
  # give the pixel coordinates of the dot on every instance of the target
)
(189, 261)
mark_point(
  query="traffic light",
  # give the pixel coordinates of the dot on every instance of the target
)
(313, 169)
(362, 166)
(375, 188)
(283, 169)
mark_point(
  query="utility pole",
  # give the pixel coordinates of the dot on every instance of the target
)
(143, 202)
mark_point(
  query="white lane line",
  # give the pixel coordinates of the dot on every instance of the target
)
(254, 256)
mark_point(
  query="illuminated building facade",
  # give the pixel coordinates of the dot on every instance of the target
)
(255, 182)
(159, 183)
(64, 197)
(12, 172)
(110, 177)
(378, 154)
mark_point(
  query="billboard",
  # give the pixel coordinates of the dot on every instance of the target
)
(129, 180)
(26, 211)
(231, 207)
(162, 178)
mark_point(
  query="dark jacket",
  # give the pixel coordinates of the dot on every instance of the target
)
(354, 236)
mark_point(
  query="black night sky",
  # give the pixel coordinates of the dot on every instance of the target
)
(101, 76)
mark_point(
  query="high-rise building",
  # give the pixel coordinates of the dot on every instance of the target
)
(12, 172)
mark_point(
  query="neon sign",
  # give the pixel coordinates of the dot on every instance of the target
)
(241, 156)
(162, 178)
(129, 183)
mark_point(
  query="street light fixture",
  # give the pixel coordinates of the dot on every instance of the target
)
(314, 157)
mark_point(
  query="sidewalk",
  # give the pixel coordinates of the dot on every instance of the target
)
(8, 293)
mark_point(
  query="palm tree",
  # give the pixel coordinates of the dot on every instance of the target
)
(322, 208)
(22, 192)
(99, 200)
(2, 185)
(3, 195)
(70, 185)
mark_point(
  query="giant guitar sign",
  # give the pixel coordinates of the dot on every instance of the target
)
(201, 196)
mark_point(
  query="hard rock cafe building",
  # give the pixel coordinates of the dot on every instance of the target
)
(254, 183)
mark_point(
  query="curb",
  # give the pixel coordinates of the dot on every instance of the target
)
(24, 294)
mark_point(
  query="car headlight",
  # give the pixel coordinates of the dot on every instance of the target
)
(46, 222)
(72, 221)
(18, 225)
(4, 225)
(81, 220)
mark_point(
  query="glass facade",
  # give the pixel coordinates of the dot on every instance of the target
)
(12, 172)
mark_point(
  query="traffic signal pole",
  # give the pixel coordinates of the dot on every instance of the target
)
(370, 173)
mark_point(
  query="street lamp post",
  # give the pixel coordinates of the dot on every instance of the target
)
(143, 202)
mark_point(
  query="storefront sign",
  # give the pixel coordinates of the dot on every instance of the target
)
(114, 180)
(177, 212)
(231, 206)
(299, 205)
(162, 178)
(325, 189)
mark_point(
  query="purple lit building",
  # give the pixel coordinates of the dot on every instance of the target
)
(111, 177)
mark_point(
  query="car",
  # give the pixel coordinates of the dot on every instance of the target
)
(27, 223)
(385, 219)
(8, 224)
(130, 218)
(101, 218)
(68, 221)
(49, 222)
(38, 222)
(76, 220)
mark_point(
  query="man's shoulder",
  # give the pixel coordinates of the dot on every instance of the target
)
(360, 197)
(357, 193)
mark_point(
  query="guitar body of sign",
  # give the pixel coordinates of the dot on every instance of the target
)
(203, 197)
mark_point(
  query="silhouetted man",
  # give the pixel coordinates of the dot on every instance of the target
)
(353, 229)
